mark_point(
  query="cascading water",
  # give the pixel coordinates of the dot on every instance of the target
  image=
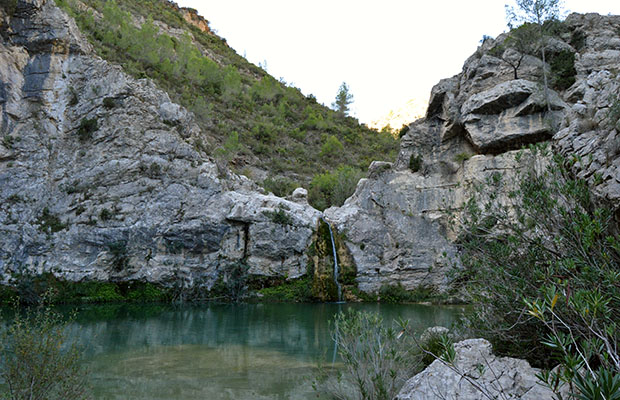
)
(331, 235)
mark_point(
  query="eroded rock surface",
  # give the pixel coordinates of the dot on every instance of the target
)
(401, 223)
(476, 374)
(101, 178)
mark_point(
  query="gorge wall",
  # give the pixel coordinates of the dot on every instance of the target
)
(100, 178)
(401, 223)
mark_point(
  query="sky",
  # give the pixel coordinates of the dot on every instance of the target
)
(388, 52)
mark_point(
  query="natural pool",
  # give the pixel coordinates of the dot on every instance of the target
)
(242, 351)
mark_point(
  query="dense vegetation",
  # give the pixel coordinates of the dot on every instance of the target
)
(378, 356)
(543, 267)
(37, 359)
(249, 118)
(33, 289)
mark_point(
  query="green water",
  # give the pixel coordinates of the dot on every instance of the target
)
(246, 351)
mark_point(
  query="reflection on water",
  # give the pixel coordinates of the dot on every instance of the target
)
(245, 351)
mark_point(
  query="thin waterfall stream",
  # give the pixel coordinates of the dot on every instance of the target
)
(331, 235)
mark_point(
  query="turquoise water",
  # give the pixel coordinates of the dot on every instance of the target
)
(243, 351)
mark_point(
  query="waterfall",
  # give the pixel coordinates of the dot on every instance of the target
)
(331, 235)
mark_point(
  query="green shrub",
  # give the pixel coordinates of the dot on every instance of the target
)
(544, 274)
(333, 188)
(50, 223)
(462, 157)
(296, 290)
(331, 147)
(8, 141)
(265, 133)
(109, 102)
(154, 170)
(377, 358)
(10, 6)
(87, 128)
(279, 216)
(578, 40)
(231, 146)
(8, 295)
(39, 361)
(102, 292)
(314, 120)
(279, 186)
(415, 162)
(145, 293)
(266, 90)
(67, 292)
(105, 214)
(30, 289)
(437, 346)
(563, 69)
(74, 100)
(555, 27)
(398, 294)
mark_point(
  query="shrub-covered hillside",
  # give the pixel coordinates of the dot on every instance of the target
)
(262, 127)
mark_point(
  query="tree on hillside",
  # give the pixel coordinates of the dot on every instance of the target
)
(517, 44)
(343, 99)
(535, 12)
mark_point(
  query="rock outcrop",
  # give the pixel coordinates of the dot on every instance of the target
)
(102, 179)
(401, 223)
(592, 126)
(476, 374)
(192, 16)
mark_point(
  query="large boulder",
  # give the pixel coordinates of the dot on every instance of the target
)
(510, 115)
(476, 374)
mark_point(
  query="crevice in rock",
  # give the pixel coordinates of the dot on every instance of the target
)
(246, 240)
(510, 144)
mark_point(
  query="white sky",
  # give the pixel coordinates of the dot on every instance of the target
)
(388, 51)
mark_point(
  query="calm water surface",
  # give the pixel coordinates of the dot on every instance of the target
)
(245, 351)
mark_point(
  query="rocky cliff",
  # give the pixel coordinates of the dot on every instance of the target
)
(397, 225)
(99, 179)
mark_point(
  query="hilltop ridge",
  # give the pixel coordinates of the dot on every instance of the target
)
(258, 125)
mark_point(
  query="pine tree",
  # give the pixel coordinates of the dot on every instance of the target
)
(343, 99)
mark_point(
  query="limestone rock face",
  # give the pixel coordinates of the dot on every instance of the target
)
(102, 176)
(397, 225)
(41, 27)
(401, 223)
(101, 179)
(592, 126)
(510, 115)
(192, 16)
(476, 374)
